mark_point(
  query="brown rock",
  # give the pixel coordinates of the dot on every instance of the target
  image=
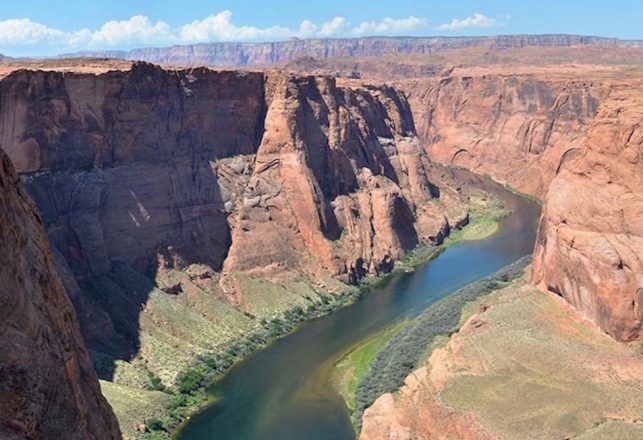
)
(590, 240)
(48, 386)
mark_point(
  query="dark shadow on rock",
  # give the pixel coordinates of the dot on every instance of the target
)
(111, 230)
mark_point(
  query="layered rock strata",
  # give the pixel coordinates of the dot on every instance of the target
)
(252, 54)
(520, 129)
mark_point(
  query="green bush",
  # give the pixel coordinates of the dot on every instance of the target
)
(155, 383)
(154, 424)
(190, 381)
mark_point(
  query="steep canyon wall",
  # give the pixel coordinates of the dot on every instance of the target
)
(590, 242)
(165, 184)
(571, 139)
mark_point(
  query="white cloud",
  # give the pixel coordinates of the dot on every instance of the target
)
(476, 20)
(137, 30)
(219, 27)
(24, 31)
(389, 26)
(336, 26)
(27, 36)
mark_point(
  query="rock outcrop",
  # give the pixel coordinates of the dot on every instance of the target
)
(590, 241)
(145, 165)
(48, 386)
(572, 142)
(252, 54)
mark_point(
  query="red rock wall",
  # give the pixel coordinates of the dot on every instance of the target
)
(48, 387)
(590, 241)
(517, 128)
(573, 143)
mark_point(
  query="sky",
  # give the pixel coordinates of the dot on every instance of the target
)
(50, 27)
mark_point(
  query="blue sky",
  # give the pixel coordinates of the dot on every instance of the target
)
(48, 27)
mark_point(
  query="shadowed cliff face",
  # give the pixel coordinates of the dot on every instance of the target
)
(48, 386)
(590, 241)
(225, 177)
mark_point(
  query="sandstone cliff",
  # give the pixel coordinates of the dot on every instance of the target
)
(519, 129)
(252, 54)
(572, 141)
(48, 386)
(590, 241)
(231, 196)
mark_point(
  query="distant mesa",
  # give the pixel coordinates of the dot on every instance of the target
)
(267, 53)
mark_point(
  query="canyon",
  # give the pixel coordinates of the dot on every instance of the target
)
(186, 208)
(567, 133)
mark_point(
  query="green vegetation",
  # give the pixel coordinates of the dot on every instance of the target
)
(356, 364)
(416, 257)
(150, 404)
(190, 391)
(484, 212)
(408, 346)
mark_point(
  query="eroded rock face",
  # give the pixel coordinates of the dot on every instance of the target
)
(520, 129)
(48, 386)
(265, 175)
(339, 174)
(590, 240)
(573, 142)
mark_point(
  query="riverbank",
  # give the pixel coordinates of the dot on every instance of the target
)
(355, 365)
(408, 347)
(523, 364)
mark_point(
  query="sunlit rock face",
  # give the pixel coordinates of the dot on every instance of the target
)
(590, 241)
(520, 129)
(48, 386)
(574, 142)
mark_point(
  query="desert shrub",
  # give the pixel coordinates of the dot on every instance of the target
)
(190, 381)
(155, 383)
(154, 424)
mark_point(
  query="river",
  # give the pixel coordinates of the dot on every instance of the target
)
(284, 391)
